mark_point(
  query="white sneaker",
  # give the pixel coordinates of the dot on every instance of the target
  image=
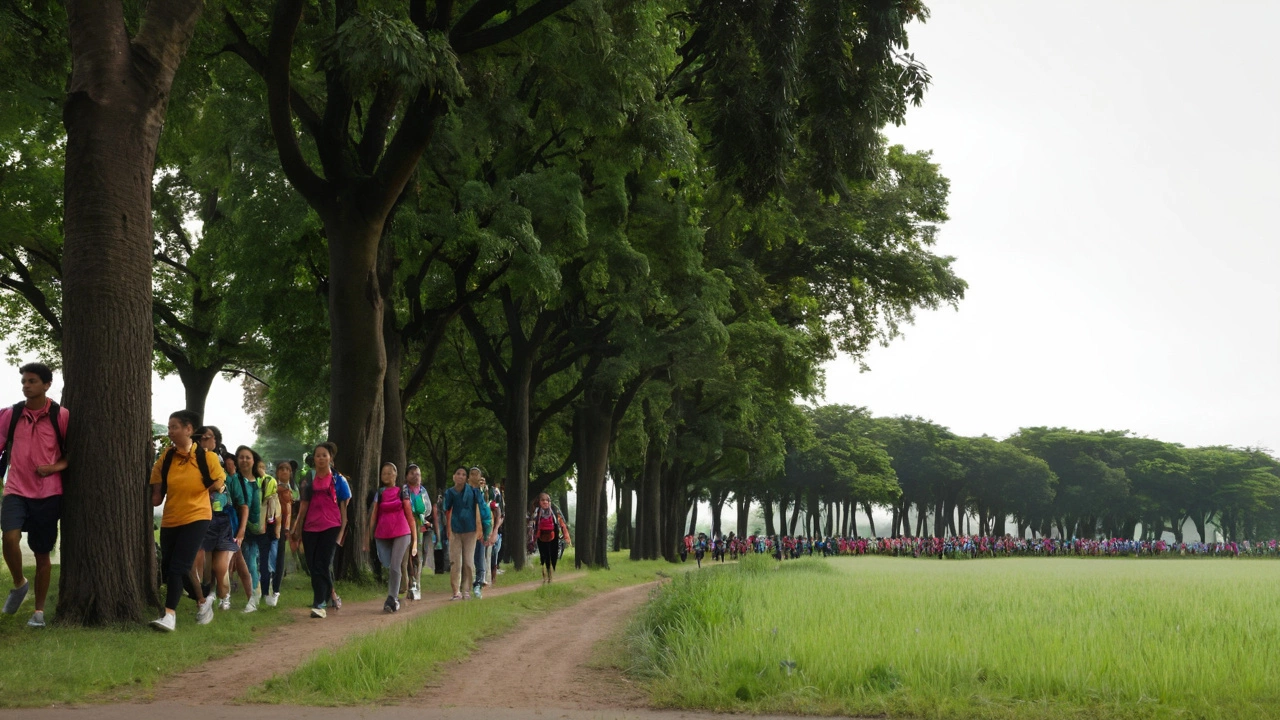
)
(224, 603)
(37, 619)
(165, 623)
(317, 612)
(204, 611)
(252, 605)
(272, 599)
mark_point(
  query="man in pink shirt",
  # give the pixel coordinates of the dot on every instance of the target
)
(31, 437)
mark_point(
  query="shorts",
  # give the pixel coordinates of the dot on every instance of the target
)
(38, 518)
(218, 537)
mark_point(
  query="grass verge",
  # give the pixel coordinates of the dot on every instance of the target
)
(67, 665)
(1021, 638)
(393, 663)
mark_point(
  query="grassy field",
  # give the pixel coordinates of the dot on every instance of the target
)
(63, 665)
(395, 662)
(1016, 638)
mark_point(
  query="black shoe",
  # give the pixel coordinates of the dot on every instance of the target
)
(390, 605)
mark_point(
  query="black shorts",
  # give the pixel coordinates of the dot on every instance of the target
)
(218, 537)
(37, 518)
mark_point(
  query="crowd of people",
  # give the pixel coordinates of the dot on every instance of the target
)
(226, 519)
(960, 547)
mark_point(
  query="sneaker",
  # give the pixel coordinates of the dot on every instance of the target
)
(476, 591)
(317, 612)
(270, 600)
(397, 606)
(390, 605)
(204, 611)
(252, 605)
(501, 571)
(165, 623)
(224, 603)
(16, 596)
(416, 594)
(37, 620)
(456, 596)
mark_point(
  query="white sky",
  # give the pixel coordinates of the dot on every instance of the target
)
(1114, 186)
(1114, 179)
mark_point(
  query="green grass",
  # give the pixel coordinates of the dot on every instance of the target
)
(66, 665)
(395, 662)
(1019, 638)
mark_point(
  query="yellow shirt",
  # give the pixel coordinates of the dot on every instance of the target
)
(187, 500)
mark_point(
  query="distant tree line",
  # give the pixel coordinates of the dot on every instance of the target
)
(839, 461)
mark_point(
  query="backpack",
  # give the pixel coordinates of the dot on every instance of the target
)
(268, 489)
(16, 415)
(202, 462)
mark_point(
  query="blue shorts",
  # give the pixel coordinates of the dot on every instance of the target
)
(37, 518)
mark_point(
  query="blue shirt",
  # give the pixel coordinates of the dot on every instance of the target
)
(463, 504)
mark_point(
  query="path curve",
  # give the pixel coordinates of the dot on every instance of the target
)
(284, 648)
(553, 653)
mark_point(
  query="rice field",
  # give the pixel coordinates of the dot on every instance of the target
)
(1010, 638)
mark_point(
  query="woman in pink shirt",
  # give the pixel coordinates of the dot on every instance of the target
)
(391, 527)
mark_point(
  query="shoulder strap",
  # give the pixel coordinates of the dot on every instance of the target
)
(14, 417)
(202, 461)
(164, 470)
(54, 411)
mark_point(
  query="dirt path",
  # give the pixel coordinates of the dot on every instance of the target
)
(554, 655)
(219, 681)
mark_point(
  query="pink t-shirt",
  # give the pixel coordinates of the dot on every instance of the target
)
(34, 444)
(391, 520)
(322, 512)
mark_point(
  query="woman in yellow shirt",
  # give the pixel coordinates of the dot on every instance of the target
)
(181, 479)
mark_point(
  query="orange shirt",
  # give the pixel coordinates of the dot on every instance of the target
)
(187, 500)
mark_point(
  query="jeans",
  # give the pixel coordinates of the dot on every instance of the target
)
(279, 551)
(260, 556)
(482, 563)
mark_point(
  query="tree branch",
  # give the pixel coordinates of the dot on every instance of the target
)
(464, 40)
(284, 26)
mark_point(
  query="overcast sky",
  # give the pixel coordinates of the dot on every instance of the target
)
(1114, 191)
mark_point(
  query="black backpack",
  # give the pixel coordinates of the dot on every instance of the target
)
(54, 410)
(202, 461)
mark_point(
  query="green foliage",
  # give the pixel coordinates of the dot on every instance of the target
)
(373, 48)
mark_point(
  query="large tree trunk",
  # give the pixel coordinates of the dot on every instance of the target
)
(717, 510)
(744, 514)
(114, 111)
(649, 517)
(196, 383)
(693, 517)
(795, 514)
(871, 522)
(592, 425)
(516, 425)
(358, 365)
(766, 504)
(394, 447)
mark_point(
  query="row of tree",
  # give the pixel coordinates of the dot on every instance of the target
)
(560, 238)
(1048, 481)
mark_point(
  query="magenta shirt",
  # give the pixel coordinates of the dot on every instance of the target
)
(391, 520)
(322, 513)
(34, 444)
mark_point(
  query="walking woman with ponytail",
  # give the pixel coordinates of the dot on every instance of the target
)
(391, 525)
(321, 523)
(546, 528)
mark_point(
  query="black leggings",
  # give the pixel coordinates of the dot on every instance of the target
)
(549, 552)
(282, 547)
(320, 547)
(178, 548)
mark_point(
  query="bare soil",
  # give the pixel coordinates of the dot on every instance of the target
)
(285, 648)
(554, 654)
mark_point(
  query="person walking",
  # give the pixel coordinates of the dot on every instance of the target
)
(219, 547)
(475, 478)
(321, 523)
(548, 528)
(424, 531)
(286, 492)
(33, 447)
(181, 479)
(391, 527)
(468, 520)
(251, 537)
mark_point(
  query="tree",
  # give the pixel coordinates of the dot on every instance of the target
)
(114, 112)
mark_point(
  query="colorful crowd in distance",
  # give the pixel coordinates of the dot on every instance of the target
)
(964, 547)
